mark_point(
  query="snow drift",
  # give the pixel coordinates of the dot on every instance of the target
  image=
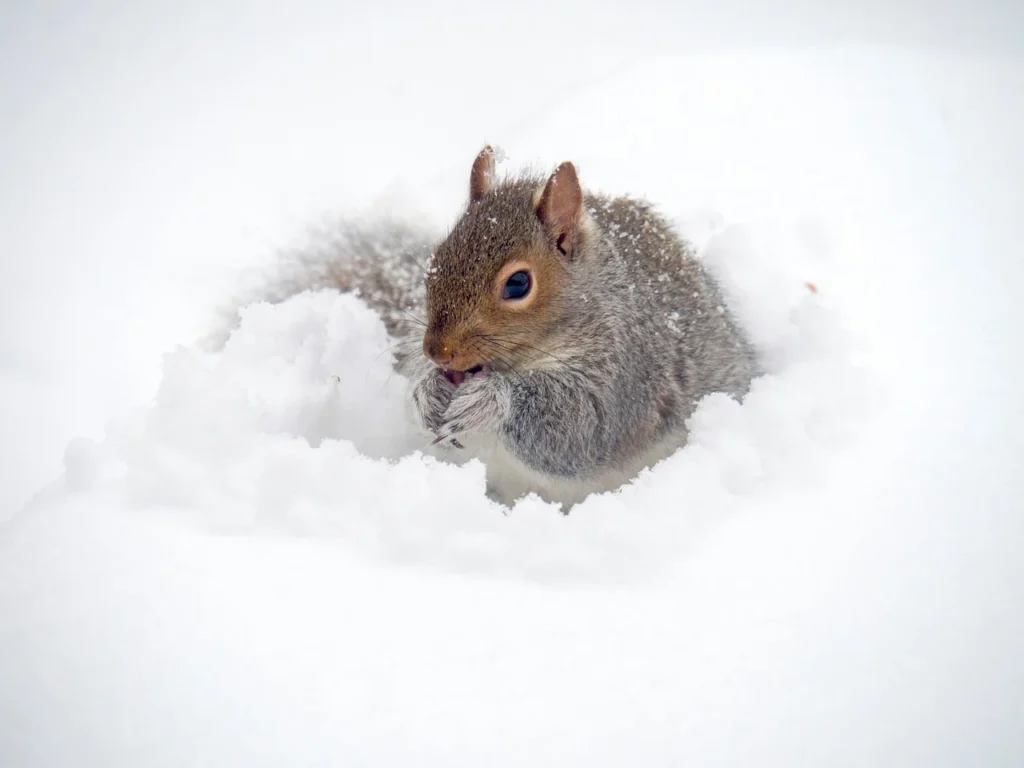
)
(263, 566)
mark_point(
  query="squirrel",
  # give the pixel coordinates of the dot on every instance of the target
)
(562, 337)
(568, 336)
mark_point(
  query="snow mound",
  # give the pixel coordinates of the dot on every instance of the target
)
(299, 424)
(262, 566)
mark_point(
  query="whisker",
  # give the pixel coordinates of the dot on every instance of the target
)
(505, 345)
(411, 343)
(411, 317)
(517, 340)
(492, 351)
(411, 321)
(506, 351)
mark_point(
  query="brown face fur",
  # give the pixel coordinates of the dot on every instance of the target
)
(471, 328)
(521, 224)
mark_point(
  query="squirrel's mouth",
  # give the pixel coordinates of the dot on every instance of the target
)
(477, 371)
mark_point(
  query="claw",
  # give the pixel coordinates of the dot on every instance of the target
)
(455, 443)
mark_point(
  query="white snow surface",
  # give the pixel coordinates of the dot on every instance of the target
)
(258, 563)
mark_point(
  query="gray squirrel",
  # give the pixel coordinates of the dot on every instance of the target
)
(562, 337)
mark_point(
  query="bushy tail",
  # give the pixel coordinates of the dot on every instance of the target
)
(382, 260)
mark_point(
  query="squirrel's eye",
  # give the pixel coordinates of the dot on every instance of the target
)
(517, 286)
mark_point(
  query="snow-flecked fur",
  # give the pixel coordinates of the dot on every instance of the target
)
(603, 383)
(586, 391)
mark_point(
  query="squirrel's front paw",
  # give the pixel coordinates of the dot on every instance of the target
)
(430, 397)
(479, 405)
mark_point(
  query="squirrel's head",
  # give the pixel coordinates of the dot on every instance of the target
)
(495, 287)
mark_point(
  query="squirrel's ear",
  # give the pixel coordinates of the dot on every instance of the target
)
(560, 206)
(481, 178)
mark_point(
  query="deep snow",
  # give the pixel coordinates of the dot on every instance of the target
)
(254, 566)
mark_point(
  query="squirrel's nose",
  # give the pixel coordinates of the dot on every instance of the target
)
(440, 353)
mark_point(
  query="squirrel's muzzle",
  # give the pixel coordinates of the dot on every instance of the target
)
(452, 355)
(438, 351)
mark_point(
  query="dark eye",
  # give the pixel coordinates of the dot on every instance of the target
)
(517, 286)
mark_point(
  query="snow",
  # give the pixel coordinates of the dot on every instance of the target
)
(249, 559)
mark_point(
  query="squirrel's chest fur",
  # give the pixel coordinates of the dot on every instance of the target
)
(509, 478)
